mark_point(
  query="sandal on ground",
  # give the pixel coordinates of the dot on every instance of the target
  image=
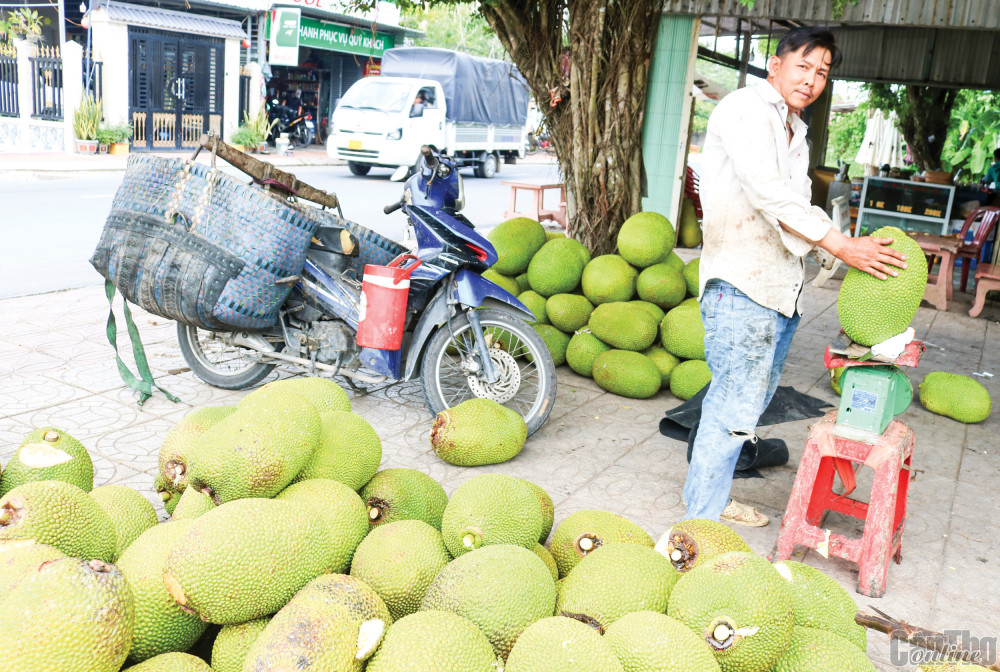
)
(741, 514)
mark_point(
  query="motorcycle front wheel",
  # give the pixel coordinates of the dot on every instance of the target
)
(217, 362)
(302, 136)
(451, 371)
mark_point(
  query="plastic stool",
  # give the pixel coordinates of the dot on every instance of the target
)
(885, 515)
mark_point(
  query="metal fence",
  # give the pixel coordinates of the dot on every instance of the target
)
(96, 83)
(8, 82)
(47, 84)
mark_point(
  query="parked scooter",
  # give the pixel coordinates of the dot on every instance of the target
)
(300, 127)
(462, 335)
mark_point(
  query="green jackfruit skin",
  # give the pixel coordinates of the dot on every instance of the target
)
(582, 350)
(536, 303)
(568, 312)
(245, 559)
(820, 602)
(344, 513)
(550, 562)
(574, 244)
(664, 361)
(813, 650)
(522, 283)
(48, 454)
(646, 238)
(130, 513)
(558, 644)
(740, 592)
(21, 557)
(172, 662)
(60, 515)
(662, 285)
(504, 282)
(160, 624)
(178, 448)
(623, 326)
(608, 278)
(691, 301)
(349, 450)
(324, 394)
(478, 432)
(682, 333)
(491, 509)
(516, 242)
(872, 310)
(648, 641)
(689, 377)
(259, 449)
(674, 261)
(654, 311)
(231, 645)
(694, 542)
(404, 494)
(600, 527)
(689, 232)
(547, 508)
(555, 268)
(434, 640)
(192, 504)
(70, 614)
(627, 374)
(556, 341)
(690, 274)
(954, 396)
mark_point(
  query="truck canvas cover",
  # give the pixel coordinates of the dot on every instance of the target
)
(477, 90)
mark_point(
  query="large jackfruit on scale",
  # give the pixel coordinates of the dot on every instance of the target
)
(584, 531)
(404, 494)
(477, 432)
(130, 513)
(434, 640)
(177, 450)
(955, 396)
(491, 509)
(559, 644)
(48, 454)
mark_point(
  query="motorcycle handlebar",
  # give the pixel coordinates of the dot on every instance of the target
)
(429, 158)
(392, 207)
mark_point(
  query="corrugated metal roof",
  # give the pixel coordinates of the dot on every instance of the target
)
(166, 19)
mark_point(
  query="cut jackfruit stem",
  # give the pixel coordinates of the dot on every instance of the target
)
(377, 510)
(99, 566)
(587, 542)
(51, 436)
(721, 634)
(472, 538)
(165, 495)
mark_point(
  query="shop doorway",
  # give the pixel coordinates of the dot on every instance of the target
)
(175, 88)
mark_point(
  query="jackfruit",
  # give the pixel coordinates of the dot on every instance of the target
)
(172, 662)
(674, 261)
(70, 614)
(324, 394)
(649, 641)
(623, 326)
(584, 531)
(627, 374)
(192, 504)
(404, 494)
(343, 510)
(547, 509)
(48, 454)
(349, 450)
(689, 233)
(502, 588)
(178, 448)
(690, 274)
(399, 561)
(813, 650)
(556, 341)
(740, 605)
(872, 310)
(491, 509)
(654, 311)
(693, 542)
(130, 513)
(573, 244)
(231, 645)
(259, 449)
(954, 396)
(820, 602)
(646, 238)
(682, 333)
(20, 558)
(60, 515)
(550, 562)
(608, 278)
(582, 350)
(504, 282)
(600, 591)
(477, 432)
(552, 235)
(689, 377)
(160, 623)
(559, 644)
(950, 666)
(691, 301)
(662, 285)
(245, 559)
(534, 302)
(835, 376)
(516, 242)
(664, 361)
(568, 312)
(434, 640)
(556, 268)
(522, 283)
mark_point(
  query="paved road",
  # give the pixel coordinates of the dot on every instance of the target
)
(50, 222)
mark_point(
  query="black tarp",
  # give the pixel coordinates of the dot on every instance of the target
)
(478, 90)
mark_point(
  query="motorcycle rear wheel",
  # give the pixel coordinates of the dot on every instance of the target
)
(218, 363)
(527, 374)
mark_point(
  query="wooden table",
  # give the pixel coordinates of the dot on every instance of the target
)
(939, 285)
(535, 210)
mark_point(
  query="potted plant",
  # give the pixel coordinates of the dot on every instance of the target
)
(120, 137)
(244, 138)
(260, 127)
(104, 137)
(86, 122)
(24, 23)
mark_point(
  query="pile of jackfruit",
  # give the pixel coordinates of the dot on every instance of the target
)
(287, 550)
(631, 321)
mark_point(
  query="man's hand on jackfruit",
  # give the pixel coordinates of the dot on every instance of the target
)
(866, 254)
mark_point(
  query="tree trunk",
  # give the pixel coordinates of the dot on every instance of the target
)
(593, 93)
(925, 123)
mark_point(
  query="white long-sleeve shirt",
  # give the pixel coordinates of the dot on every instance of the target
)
(753, 178)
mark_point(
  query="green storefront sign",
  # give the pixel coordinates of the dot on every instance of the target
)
(334, 37)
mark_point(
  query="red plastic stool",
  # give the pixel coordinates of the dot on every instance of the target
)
(885, 515)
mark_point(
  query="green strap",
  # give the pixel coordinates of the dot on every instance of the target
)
(144, 386)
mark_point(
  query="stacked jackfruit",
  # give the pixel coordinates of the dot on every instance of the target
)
(621, 319)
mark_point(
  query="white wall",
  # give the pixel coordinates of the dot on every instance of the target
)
(231, 88)
(110, 44)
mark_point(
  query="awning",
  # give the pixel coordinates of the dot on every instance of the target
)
(166, 19)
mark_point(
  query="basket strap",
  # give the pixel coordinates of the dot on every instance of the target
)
(145, 385)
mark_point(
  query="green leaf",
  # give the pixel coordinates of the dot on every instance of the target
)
(979, 159)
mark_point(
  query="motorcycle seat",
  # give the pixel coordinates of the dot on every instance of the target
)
(335, 239)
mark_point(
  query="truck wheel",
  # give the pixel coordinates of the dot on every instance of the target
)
(488, 167)
(358, 168)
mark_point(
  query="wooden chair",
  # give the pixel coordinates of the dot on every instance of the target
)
(987, 217)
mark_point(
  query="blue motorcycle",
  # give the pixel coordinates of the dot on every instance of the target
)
(463, 335)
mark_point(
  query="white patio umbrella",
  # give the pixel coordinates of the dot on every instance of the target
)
(882, 143)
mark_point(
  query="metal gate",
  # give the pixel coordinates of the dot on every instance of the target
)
(175, 88)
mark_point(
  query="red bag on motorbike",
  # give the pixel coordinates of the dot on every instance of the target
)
(384, 292)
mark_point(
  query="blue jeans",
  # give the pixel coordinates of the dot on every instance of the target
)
(746, 345)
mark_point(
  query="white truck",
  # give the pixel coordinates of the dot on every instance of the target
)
(474, 109)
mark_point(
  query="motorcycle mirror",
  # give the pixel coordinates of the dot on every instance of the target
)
(399, 174)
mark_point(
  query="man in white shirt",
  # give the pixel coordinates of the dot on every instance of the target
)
(758, 225)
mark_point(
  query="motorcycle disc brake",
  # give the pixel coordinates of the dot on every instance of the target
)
(508, 378)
